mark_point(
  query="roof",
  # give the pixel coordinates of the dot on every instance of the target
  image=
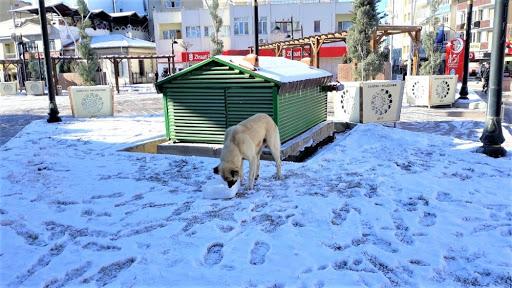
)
(280, 69)
(277, 70)
(63, 9)
(28, 28)
(119, 40)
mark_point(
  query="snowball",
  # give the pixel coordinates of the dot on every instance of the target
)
(218, 189)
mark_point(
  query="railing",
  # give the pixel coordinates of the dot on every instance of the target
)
(137, 78)
(10, 56)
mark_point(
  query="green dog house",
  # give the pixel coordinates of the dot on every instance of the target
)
(202, 101)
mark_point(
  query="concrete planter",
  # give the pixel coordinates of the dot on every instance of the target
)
(8, 88)
(367, 102)
(430, 91)
(34, 88)
(91, 101)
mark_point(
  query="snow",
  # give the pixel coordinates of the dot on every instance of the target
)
(118, 40)
(377, 207)
(280, 69)
(217, 189)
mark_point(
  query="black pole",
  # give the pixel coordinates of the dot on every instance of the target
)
(53, 114)
(291, 20)
(173, 41)
(463, 94)
(492, 137)
(256, 28)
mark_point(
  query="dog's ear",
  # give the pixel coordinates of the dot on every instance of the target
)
(216, 170)
(234, 173)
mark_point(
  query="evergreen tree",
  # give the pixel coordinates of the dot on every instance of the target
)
(433, 53)
(218, 44)
(87, 67)
(368, 62)
(33, 68)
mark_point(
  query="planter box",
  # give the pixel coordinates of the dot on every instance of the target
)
(34, 88)
(430, 90)
(366, 102)
(8, 88)
(67, 80)
(91, 101)
(345, 72)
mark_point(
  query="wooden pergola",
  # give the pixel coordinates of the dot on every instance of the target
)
(115, 59)
(413, 31)
(316, 41)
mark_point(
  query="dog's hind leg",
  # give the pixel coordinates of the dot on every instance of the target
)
(274, 144)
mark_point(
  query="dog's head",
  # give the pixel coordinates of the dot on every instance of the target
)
(229, 174)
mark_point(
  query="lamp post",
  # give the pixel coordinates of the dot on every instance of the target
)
(53, 114)
(492, 137)
(173, 41)
(469, 18)
(256, 28)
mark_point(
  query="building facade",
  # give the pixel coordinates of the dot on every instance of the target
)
(189, 23)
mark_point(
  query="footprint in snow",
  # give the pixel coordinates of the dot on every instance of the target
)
(258, 253)
(214, 254)
(428, 219)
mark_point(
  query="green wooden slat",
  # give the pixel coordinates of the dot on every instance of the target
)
(217, 81)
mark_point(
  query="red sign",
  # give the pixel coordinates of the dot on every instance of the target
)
(455, 58)
(195, 56)
(508, 44)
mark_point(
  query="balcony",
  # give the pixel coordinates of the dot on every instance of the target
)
(10, 56)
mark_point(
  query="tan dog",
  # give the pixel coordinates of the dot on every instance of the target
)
(246, 141)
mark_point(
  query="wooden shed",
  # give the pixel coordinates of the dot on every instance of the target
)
(202, 101)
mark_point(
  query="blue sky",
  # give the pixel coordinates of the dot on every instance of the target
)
(382, 5)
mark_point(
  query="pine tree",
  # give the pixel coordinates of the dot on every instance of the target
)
(368, 62)
(434, 56)
(87, 67)
(218, 44)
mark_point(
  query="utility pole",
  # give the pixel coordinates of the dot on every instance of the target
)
(256, 28)
(53, 114)
(469, 18)
(492, 137)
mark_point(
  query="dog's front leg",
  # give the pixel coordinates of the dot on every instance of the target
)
(252, 171)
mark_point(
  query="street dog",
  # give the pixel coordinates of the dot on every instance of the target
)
(246, 141)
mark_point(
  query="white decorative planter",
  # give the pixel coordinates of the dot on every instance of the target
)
(365, 102)
(34, 87)
(430, 90)
(8, 88)
(91, 101)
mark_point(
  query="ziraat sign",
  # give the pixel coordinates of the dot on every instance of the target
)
(195, 56)
(455, 58)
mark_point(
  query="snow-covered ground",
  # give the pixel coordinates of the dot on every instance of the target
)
(378, 207)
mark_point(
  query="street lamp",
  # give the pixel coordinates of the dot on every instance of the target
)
(53, 114)
(492, 137)
(464, 88)
(173, 41)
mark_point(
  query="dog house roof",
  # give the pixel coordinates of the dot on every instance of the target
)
(278, 70)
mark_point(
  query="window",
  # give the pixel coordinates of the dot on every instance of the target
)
(344, 25)
(172, 33)
(317, 26)
(262, 26)
(241, 26)
(193, 31)
(208, 30)
(225, 31)
(172, 3)
(52, 45)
